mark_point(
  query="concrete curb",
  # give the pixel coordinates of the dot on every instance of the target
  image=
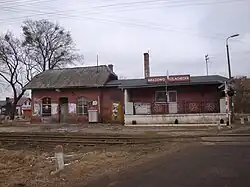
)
(174, 125)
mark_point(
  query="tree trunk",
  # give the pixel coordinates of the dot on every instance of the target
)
(13, 111)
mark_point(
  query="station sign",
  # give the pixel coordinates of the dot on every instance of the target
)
(172, 79)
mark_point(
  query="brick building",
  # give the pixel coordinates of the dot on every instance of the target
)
(67, 95)
(172, 99)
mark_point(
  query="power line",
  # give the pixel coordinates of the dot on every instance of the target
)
(23, 3)
(59, 13)
(140, 24)
(103, 6)
(163, 3)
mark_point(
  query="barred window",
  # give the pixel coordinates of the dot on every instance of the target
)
(46, 106)
(82, 106)
(160, 97)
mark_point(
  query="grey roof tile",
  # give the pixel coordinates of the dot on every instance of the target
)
(195, 80)
(72, 77)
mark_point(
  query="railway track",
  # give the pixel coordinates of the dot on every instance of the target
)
(98, 139)
(76, 138)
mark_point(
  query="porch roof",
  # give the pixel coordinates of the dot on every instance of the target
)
(142, 83)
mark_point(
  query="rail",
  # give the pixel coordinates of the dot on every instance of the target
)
(77, 138)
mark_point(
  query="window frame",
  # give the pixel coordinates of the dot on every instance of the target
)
(167, 99)
(81, 103)
(175, 96)
(44, 104)
(161, 101)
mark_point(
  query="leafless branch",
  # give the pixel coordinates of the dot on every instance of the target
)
(11, 55)
(49, 45)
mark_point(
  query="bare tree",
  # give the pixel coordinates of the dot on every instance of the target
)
(12, 68)
(242, 97)
(45, 46)
(48, 45)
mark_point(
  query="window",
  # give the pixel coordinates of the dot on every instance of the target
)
(82, 106)
(46, 106)
(172, 96)
(160, 97)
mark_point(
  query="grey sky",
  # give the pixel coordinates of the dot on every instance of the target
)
(177, 33)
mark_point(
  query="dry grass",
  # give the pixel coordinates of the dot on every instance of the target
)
(35, 169)
(150, 133)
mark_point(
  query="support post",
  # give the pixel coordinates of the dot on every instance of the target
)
(126, 96)
(242, 121)
(128, 106)
(227, 104)
(59, 158)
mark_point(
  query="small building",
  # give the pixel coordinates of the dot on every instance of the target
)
(23, 107)
(172, 99)
(94, 94)
(76, 95)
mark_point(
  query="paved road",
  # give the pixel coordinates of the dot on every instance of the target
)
(205, 165)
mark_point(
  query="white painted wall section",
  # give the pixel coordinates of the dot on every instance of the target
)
(207, 118)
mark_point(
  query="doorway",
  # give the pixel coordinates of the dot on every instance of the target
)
(63, 109)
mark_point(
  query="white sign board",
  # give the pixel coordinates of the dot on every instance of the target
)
(129, 108)
(72, 108)
(54, 109)
(37, 109)
(142, 108)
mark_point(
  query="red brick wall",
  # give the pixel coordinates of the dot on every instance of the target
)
(184, 93)
(106, 96)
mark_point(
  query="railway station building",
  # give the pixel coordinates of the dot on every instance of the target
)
(95, 94)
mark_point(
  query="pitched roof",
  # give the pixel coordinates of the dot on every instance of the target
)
(194, 80)
(22, 101)
(19, 103)
(90, 76)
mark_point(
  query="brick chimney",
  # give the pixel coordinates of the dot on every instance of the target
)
(111, 67)
(7, 100)
(146, 65)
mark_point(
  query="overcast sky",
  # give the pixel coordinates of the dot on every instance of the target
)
(177, 33)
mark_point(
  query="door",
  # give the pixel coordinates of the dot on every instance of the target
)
(63, 109)
(172, 102)
(117, 112)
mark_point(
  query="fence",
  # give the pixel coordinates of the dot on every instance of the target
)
(183, 107)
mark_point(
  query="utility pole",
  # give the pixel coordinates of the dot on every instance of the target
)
(231, 105)
(166, 86)
(206, 59)
(97, 63)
